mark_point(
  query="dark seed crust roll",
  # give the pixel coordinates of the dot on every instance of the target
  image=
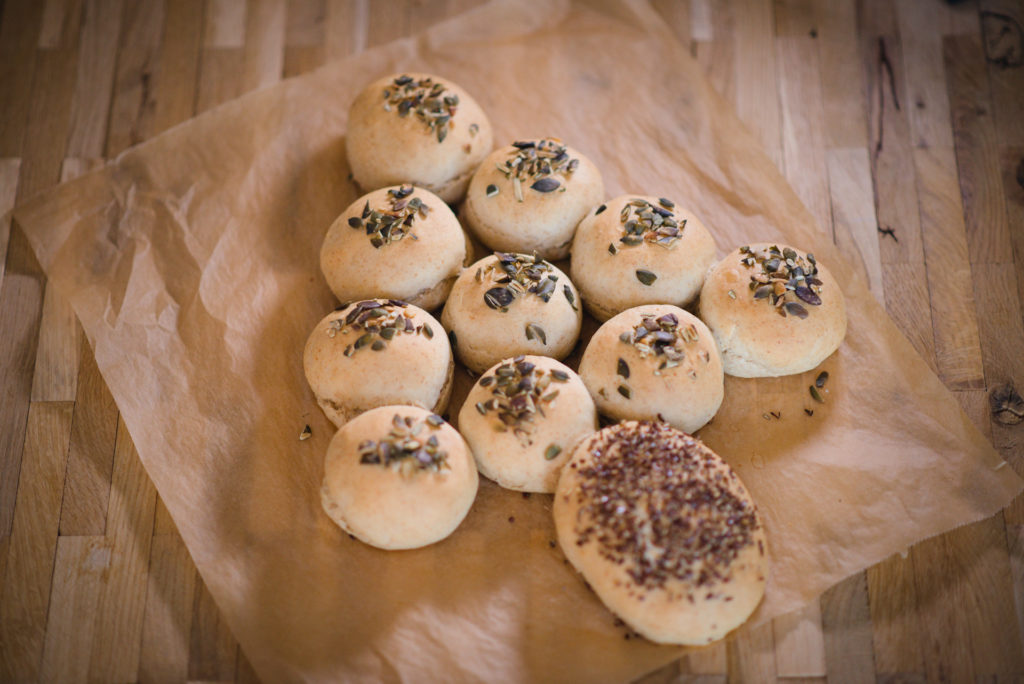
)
(663, 531)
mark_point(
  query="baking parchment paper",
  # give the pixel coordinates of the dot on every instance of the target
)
(192, 263)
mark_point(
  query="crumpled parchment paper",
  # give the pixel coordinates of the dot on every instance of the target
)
(192, 262)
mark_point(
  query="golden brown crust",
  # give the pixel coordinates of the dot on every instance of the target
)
(606, 258)
(639, 379)
(663, 531)
(754, 338)
(386, 148)
(542, 221)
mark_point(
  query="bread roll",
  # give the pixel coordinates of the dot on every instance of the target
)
(419, 129)
(399, 242)
(510, 304)
(773, 310)
(375, 353)
(529, 197)
(663, 531)
(398, 477)
(522, 418)
(637, 250)
(655, 361)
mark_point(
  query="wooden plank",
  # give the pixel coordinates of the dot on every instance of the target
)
(244, 672)
(137, 53)
(51, 29)
(1015, 542)
(21, 302)
(19, 31)
(892, 595)
(94, 81)
(751, 655)
(892, 160)
(220, 77)
(168, 617)
(757, 93)
(119, 613)
(977, 151)
(264, 44)
(957, 343)
(708, 661)
(79, 569)
(25, 593)
(846, 620)
(842, 80)
(716, 55)
(302, 58)
(305, 25)
(91, 455)
(853, 212)
(175, 85)
(1002, 23)
(1012, 164)
(9, 171)
(803, 130)
(799, 643)
(676, 16)
(55, 377)
(49, 120)
(346, 27)
(212, 648)
(921, 28)
(225, 24)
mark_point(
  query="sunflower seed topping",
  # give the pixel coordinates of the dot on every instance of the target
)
(516, 275)
(394, 222)
(653, 223)
(376, 322)
(520, 391)
(538, 161)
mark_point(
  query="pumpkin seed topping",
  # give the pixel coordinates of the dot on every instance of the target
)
(376, 323)
(516, 275)
(428, 99)
(538, 161)
(652, 223)
(407, 448)
(391, 224)
(663, 338)
(785, 279)
(520, 391)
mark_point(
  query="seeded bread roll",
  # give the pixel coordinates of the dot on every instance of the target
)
(522, 418)
(510, 304)
(400, 242)
(639, 250)
(375, 353)
(419, 129)
(529, 197)
(398, 477)
(663, 531)
(773, 310)
(655, 361)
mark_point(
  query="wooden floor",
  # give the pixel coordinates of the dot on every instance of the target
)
(906, 116)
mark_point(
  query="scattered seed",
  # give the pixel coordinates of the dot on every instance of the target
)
(492, 190)
(732, 295)
(809, 412)
(600, 209)
(625, 391)
(795, 309)
(435, 420)
(570, 296)
(428, 332)
(552, 452)
(821, 379)
(623, 368)
(535, 331)
(306, 433)
(473, 129)
(546, 184)
(646, 277)
(816, 395)
(560, 376)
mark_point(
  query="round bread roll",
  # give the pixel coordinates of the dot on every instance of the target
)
(522, 418)
(655, 361)
(398, 477)
(663, 531)
(529, 197)
(419, 129)
(510, 304)
(375, 353)
(400, 242)
(639, 250)
(773, 310)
